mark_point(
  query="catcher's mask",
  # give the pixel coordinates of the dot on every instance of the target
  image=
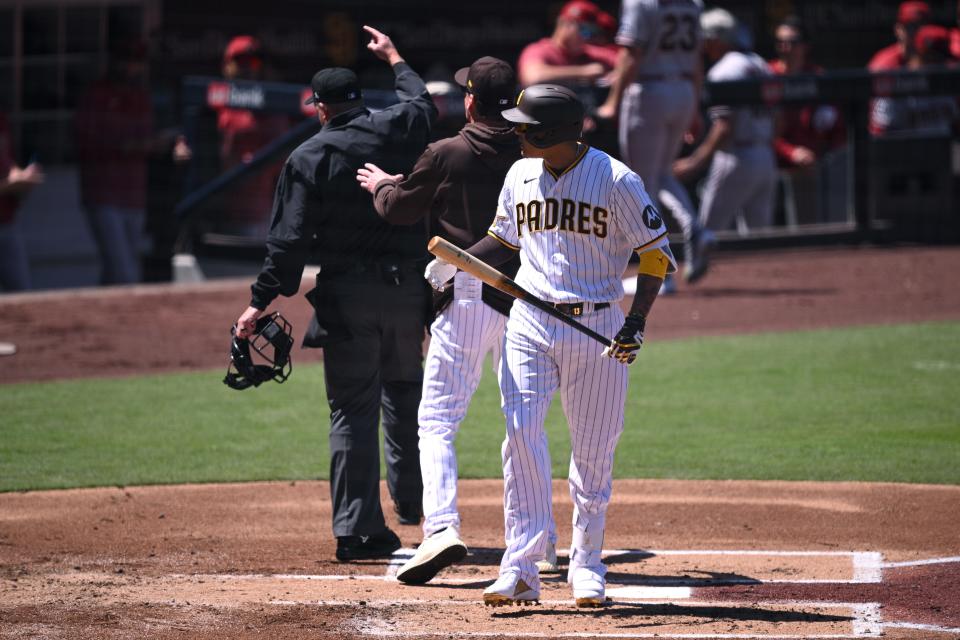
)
(248, 369)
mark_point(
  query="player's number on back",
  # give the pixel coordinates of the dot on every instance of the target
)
(680, 33)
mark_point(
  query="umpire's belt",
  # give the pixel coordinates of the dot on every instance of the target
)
(579, 308)
(331, 269)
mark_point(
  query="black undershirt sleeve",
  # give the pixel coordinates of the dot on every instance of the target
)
(490, 250)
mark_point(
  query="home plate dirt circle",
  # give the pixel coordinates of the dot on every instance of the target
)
(732, 559)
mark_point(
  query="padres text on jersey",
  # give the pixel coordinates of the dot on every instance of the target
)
(576, 230)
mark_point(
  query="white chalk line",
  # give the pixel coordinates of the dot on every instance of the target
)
(865, 621)
(920, 563)
(921, 627)
(676, 636)
(727, 552)
(867, 567)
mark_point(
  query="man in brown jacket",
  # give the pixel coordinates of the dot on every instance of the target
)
(454, 188)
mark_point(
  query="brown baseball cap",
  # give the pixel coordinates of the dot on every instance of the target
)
(491, 80)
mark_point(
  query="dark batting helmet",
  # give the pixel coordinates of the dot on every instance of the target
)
(547, 114)
(270, 360)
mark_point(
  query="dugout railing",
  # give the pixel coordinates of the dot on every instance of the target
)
(899, 186)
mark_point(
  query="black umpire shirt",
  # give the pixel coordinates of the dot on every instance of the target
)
(319, 209)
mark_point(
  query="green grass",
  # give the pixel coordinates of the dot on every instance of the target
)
(873, 404)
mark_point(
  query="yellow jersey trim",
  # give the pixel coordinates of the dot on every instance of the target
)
(502, 241)
(573, 164)
(654, 263)
(644, 246)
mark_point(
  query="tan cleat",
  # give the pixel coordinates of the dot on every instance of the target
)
(549, 562)
(508, 590)
(589, 587)
(434, 554)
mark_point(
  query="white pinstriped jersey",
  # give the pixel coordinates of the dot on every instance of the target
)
(667, 31)
(576, 231)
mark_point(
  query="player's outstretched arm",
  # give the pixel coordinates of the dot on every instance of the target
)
(382, 46)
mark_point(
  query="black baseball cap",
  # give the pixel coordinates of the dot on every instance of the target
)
(491, 80)
(333, 86)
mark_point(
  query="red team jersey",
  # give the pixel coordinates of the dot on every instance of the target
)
(887, 59)
(547, 52)
(816, 127)
(242, 134)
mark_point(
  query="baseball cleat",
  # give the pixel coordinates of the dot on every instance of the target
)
(549, 562)
(589, 588)
(509, 589)
(434, 554)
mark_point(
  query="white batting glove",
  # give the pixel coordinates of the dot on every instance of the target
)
(438, 273)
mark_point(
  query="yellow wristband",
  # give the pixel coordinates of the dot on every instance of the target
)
(654, 263)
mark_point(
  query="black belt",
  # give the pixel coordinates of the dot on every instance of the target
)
(372, 266)
(576, 308)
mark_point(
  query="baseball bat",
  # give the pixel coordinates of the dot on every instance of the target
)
(475, 267)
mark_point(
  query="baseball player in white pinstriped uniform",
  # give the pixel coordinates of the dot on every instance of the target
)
(656, 93)
(575, 215)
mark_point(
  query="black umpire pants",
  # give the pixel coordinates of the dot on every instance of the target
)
(375, 371)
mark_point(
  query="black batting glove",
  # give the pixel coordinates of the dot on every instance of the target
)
(625, 345)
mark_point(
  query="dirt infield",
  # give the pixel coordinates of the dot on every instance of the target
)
(687, 559)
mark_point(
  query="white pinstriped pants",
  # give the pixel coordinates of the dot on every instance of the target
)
(543, 355)
(461, 336)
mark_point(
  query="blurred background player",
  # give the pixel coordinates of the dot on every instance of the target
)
(656, 95)
(911, 15)
(741, 182)
(245, 208)
(15, 183)
(809, 137)
(569, 56)
(114, 126)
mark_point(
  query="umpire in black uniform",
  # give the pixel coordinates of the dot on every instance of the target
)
(371, 301)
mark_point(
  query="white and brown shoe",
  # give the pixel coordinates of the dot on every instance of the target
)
(589, 587)
(434, 554)
(510, 589)
(549, 562)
